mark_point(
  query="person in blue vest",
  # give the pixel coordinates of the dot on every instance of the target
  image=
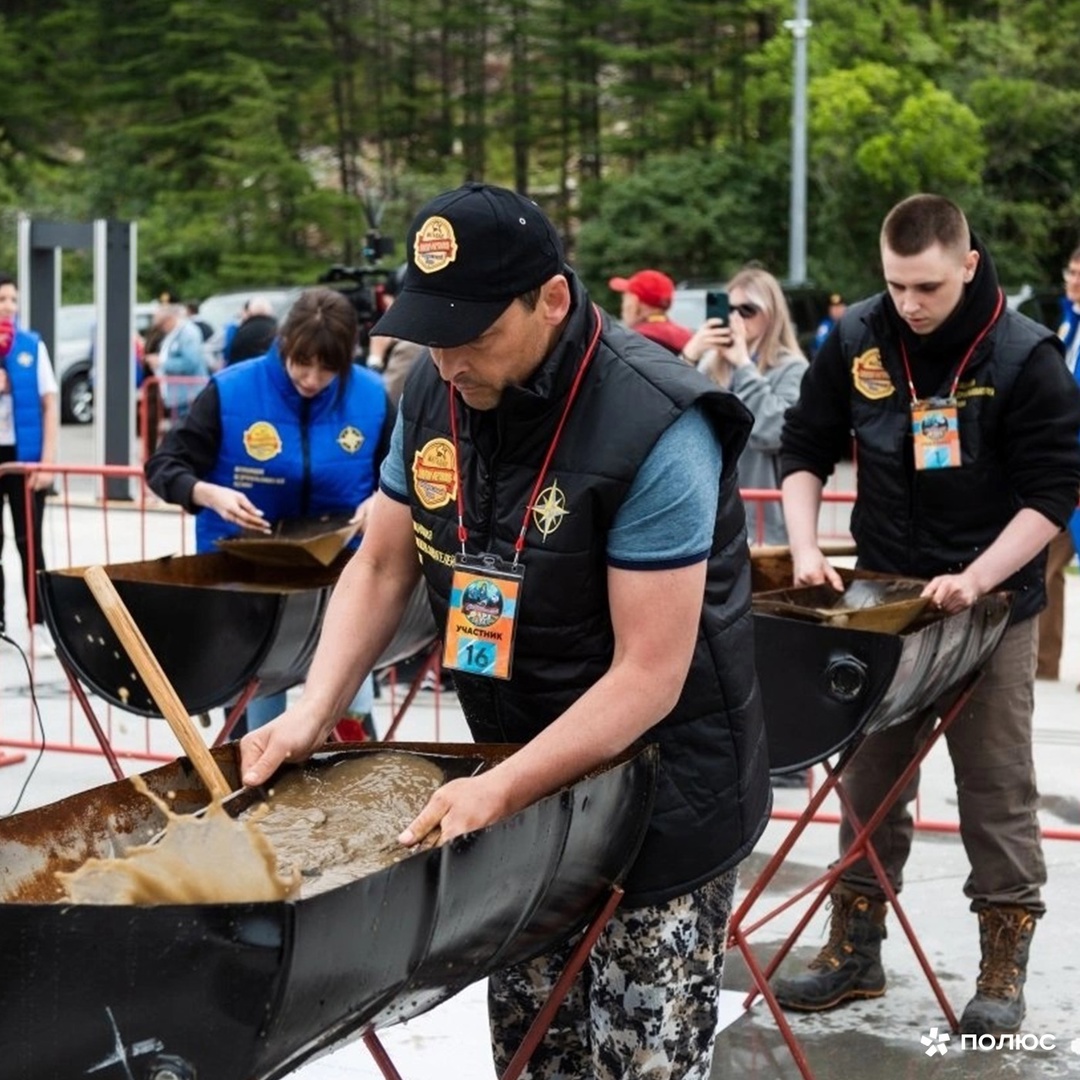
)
(1062, 549)
(297, 434)
(836, 310)
(29, 431)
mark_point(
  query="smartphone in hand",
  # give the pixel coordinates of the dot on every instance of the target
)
(717, 306)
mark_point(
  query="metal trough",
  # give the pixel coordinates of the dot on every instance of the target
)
(824, 683)
(214, 621)
(250, 991)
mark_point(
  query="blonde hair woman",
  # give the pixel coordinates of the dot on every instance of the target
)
(757, 357)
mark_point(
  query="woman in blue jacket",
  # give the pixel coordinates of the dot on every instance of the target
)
(297, 434)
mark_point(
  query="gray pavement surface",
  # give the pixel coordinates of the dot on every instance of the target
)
(869, 1040)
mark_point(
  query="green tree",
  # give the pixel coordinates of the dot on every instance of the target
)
(704, 234)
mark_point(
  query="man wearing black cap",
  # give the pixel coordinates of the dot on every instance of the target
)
(570, 489)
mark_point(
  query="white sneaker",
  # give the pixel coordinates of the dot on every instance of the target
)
(42, 640)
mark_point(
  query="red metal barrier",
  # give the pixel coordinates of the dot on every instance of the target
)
(164, 399)
(83, 526)
(835, 512)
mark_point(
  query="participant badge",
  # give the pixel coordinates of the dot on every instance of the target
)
(482, 618)
(935, 427)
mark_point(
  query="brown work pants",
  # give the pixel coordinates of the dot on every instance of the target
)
(991, 751)
(1059, 554)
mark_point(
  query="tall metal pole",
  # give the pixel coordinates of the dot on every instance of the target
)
(799, 27)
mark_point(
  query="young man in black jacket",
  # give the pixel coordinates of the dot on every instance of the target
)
(966, 421)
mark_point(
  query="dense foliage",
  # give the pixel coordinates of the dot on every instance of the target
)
(256, 141)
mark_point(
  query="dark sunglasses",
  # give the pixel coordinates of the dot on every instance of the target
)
(747, 311)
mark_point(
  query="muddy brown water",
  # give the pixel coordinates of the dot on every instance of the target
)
(320, 828)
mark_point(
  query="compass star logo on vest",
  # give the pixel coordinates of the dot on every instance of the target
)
(549, 510)
(350, 439)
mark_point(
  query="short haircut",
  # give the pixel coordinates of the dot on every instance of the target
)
(1074, 257)
(921, 221)
(322, 326)
(7, 279)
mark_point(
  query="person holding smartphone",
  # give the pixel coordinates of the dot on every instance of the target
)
(755, 354)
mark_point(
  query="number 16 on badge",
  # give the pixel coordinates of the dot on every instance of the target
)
(482, 618)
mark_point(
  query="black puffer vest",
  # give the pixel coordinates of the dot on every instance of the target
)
(935, 521)
(713, 795)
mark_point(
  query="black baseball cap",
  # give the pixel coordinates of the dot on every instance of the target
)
(471, 252)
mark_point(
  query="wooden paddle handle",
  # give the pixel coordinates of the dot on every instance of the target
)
(157, 682)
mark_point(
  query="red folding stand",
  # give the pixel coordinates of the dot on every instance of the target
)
(860, 847)
(538, 1029)
(431, 663)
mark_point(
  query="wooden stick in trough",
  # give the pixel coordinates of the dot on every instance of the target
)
(157, 682)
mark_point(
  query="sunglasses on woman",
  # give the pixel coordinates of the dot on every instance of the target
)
(747, 311)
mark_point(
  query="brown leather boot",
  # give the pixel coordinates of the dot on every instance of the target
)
(849, 966)
(997, 1008)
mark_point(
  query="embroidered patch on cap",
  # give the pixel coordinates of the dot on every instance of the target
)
(870, 377)
(435, 473)
(435, 245)
(262, 440)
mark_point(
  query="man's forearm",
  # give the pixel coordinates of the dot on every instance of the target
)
(1017, 544)
(364, 612)
(801, 493)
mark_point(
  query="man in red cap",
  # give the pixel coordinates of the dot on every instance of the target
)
(646, 296)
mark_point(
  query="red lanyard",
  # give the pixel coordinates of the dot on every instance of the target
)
(967, 356)
(519, 543)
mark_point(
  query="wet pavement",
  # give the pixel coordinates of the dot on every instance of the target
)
(873, 1040)
(881, 1038)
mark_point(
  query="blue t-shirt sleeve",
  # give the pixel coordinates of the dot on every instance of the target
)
(669, 513)
(392, 478)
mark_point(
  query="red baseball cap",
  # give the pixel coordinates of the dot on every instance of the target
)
(649, 286)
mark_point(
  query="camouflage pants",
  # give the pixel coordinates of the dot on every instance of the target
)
(644, 1006)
